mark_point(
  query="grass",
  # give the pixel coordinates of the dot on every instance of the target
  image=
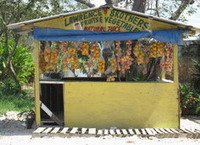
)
(19, 102)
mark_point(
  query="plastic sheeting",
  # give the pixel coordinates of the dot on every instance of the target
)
(52, 34)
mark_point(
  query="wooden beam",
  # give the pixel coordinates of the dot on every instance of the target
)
(39, 129)
(64, 131)
(36, 48)
(65, 103)
(177, 82)
(51, 115)
(55, 130)
(92, 131)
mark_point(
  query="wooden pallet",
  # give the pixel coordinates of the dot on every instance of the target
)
(143, 132)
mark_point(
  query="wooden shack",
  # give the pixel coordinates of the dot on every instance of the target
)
(106, 67)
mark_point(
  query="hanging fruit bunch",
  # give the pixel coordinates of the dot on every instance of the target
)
(70, 60)
(113, 64)
(88, 56)
(128, 60)
(156, 49)
(101, 66)
(42, 62)
(95, 51)
(94, 58)
(64, 46)
(118, 54)
(84, 48)
(123, 57)
(141, 51)
(167, 63)
(50, 58)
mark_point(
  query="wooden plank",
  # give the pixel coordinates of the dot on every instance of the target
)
(196, 130)
(39, 130)
(83, 130)
(112, 131)
(50, 114)
(47, 130)
(124, 131)
(143, 132)
(65, 129)
(137, 131)
(36, 51)
(153, 131)
(92, 131)
(174, 130)
(149, 132)
(171, 133)
(164, 131)
(168, 130)
(118, 132)
(193, 133)
(105, 131)
(158, 131)
(186, 131)
(131, 131)
(74, 130)
(190, 130)
(100, 132)
(55, 130)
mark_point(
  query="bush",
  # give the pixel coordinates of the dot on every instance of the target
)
(19, 102)
(16, 67)
(196, 76)
(190, 100)
(9, 87)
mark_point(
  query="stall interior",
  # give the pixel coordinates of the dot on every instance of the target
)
(143, 60)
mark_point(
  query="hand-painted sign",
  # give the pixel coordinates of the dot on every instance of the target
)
(104, 19)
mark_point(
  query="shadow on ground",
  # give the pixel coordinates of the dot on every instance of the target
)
(14, 127)
(195, 119)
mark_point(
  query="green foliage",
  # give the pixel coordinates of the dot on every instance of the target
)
(9, 87)
(196, 76)
(22, 65)
(190, 100)
(20, 102)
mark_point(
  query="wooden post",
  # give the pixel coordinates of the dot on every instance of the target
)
(65, 104)
(36, 48)
(176, 80)
(176, 64)
(163, 73)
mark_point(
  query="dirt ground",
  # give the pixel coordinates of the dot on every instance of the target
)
(14, 132)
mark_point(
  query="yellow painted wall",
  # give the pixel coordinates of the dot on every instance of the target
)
(122, 105)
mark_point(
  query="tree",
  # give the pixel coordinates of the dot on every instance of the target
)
(12, 11)
(168, 9)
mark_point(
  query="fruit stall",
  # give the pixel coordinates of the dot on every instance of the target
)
(106, 67)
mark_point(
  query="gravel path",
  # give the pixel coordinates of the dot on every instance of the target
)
(13, 132)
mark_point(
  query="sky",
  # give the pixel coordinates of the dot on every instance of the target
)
(193, 20)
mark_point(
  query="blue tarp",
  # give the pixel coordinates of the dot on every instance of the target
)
(52, 34)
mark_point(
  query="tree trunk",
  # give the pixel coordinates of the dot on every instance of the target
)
(139, 6)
